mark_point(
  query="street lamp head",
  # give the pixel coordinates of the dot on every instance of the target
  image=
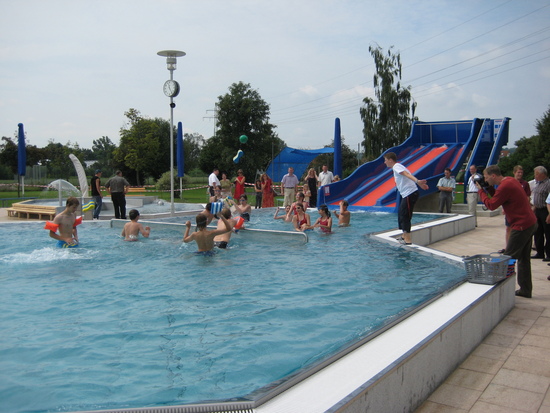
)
(171, 57)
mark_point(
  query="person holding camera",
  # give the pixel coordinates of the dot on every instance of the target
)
(471, 192)
(523, 222)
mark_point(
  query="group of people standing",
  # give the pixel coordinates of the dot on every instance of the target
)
(312, 182)
(221, 189)
(117, 186)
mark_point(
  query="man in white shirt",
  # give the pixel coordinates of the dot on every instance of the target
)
(213, 181)
(407, 186)
(289, 183)
(325, 177)
(471, 193)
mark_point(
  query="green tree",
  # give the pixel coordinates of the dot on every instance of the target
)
(349, 160)
(144, 149)
(103, 153)
(242, 111)
(56, 159)
(8, 155)
(531, 152)
(387, 119)
(192, 146)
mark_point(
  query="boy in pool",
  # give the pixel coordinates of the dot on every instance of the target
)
(203, 236)
(222, 240)
(131, 230)
(66, 222)
(344, 216)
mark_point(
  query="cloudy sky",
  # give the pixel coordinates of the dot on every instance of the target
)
(70, 69)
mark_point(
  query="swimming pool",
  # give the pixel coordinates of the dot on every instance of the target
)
(114, 324)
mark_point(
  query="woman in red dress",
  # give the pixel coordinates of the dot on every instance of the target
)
(239, 184)
(267, 191)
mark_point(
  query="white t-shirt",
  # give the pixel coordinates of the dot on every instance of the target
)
(405, 186)
(326, 178)
(213, 180)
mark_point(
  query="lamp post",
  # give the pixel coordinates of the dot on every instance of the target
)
(171, 89)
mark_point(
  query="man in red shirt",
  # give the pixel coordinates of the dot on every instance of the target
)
(519, 215)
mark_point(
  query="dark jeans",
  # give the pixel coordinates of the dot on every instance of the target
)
(258, 200)
(445, 201)
(405, 213)
(98, 203)
(119, 204)
(519, 247)
(542, 235)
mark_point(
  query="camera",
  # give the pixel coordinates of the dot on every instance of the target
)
(478, 178)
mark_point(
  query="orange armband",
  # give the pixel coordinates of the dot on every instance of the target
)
(51, 226)
(239, 224)
(77, 221)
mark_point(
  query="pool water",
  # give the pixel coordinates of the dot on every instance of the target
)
(118, 325)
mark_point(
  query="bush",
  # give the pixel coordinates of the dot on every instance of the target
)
(163, 183)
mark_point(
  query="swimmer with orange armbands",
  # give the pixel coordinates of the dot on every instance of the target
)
(66, 223)
(222, 240)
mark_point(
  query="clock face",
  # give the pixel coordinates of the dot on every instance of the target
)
(171, 88)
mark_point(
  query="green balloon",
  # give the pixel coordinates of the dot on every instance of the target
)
(243, 138)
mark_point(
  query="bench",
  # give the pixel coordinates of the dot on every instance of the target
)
(20, 210)
(136, 190)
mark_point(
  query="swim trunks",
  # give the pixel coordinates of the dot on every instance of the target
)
(206, 253)
(246, 216)
(63, 244)
(220, 244)
(132, 238)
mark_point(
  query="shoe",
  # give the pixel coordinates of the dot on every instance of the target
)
(537, 257)
(546, 259)
(401, 240)
(501, 251)
(548, 276)
(520, 293)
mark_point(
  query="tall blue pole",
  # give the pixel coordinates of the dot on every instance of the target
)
(21, 156)
(337, 149)
(179, 150)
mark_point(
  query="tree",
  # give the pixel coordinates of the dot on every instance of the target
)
(349, 160)
(8, 155)
(103, 150)
(531, 152)
(56, 159)
(387, 120)
(144, 149)
(242, 111)
(192, 146)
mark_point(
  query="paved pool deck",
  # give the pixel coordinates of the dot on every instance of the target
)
(510, 370)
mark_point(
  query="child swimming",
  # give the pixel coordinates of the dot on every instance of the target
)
(132, 229)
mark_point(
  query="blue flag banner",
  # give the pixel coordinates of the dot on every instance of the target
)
(21, 152)
(179, 150)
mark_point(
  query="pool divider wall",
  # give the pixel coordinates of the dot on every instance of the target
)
(253, 233)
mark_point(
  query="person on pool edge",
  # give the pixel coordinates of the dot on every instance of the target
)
(66, 223)
(407, 186)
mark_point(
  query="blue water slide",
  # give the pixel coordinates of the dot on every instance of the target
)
(431, 147)
(493, 136)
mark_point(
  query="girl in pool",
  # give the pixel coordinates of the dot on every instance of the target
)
(244, 208)
(287, 216)
(324, 221)
(301, 220)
